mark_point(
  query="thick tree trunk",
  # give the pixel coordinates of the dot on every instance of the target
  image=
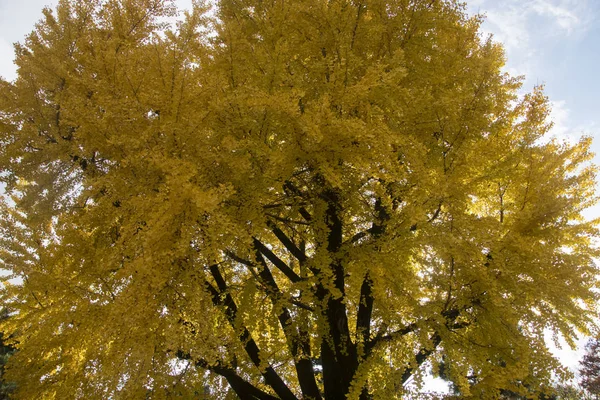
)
(339, 353)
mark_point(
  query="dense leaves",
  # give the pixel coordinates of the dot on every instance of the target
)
(284, 199)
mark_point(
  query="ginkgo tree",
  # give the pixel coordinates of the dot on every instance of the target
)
(276, 199)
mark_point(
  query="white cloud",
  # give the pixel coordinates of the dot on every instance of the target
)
(509, 26)
(528, 29)
(519, 23)
(563, 16)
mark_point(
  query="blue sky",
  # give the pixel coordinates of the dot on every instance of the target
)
(551, 42)
(557, 43)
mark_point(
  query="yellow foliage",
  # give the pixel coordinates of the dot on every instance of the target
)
(284, 199)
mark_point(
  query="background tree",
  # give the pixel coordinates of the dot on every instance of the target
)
(528, 390)
(589, 373)
(570, 392)
(294, 199)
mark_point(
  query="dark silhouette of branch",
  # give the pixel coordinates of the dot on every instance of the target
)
(242, 388)
(282, 266)
(222, 298)
(287, 242)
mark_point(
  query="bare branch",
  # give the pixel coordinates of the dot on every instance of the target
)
(221, 297)
(287, 242)
(282, 266)
(241, 387)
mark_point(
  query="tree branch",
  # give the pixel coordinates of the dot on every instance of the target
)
(422, 356)
(242, 388)
(436, 213)
(286, 220)
(289, 186)
(287, 242)
(299, 346)
(450, 315)
(365, 310)
(282, 266)
(339, 355)
(381, 338)
(251, 265)
(359, 236)
(302, 305)
(222, 298)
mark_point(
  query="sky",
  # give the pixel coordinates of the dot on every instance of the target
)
(550, 42)
(555, 43)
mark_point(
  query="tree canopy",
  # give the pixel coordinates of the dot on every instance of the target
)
(277, 199)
